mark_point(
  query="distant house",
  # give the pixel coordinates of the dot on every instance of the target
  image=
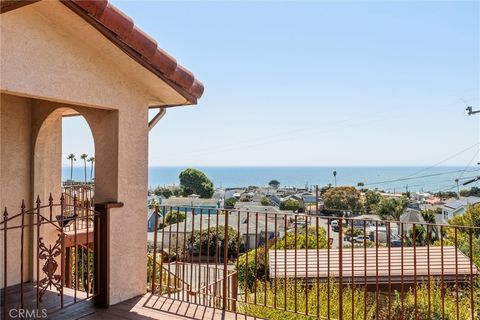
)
(253, 227)
(370, 220)
(457, 207)
(151, 220)
(410, 217)
(255, 207)
(233, 193)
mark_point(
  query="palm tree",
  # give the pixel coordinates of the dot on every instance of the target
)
(416, 236)
(92, 161)
(84, 157)
(71, 157)
(429, 217)
(335, 177)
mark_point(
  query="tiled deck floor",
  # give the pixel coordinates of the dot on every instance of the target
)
(147, 307)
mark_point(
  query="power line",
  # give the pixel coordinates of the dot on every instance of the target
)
(443, 161)
(418, 177)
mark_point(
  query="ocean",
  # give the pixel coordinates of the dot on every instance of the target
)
(390, 179)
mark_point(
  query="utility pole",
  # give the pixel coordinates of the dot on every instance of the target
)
(470, 111)
(458, 188)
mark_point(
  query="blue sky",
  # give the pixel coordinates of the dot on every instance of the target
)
(315, 83)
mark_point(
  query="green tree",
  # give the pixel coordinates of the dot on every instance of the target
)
(470, 218)
(391, 208)
(429, 217)
(342, 198)
(289, 204)
(372, 199)
(193, 181)
(473, 192)
(84, 157)
(417, 236)
(162, 191)
(72, 158)
(274, 184)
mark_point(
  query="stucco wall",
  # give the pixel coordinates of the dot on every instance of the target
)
(45, 57)
(15, 175)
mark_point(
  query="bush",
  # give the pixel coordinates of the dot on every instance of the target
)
(209, 240)
(230, 203)
(172, 217)
(318, 301)
(265, 201)
(290, 204)
(356, 232)
(449, 299)
(159, 273)
(250, 273)
(303, 241)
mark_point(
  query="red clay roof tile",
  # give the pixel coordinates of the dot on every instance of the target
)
(117, 21)
(183, 77)
(142, 43)
(164, 62)
(94, 8)
(122, 25)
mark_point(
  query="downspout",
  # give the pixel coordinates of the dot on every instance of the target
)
(161, 112)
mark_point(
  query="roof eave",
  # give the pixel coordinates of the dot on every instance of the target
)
(190, 98)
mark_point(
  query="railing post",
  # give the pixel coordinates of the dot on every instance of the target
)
(225, 262)
(154, 266)
(101, 255)
(5, 265)
(234, 288)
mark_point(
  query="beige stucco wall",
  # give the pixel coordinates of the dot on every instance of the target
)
(15, 142)
(50, 54)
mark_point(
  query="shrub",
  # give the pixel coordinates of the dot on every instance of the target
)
(289, 204)
(318, 301)
(172, 217)
(248, 273)
(265, 201)
(209, 239)
(449, 298)
(230, 203)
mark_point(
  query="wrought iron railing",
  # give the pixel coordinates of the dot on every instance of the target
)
(49, 256)
(277, 264)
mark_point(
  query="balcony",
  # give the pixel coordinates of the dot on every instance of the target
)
(227, 264)
(279, 265)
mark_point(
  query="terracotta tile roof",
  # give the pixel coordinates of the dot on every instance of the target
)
(125, 30)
